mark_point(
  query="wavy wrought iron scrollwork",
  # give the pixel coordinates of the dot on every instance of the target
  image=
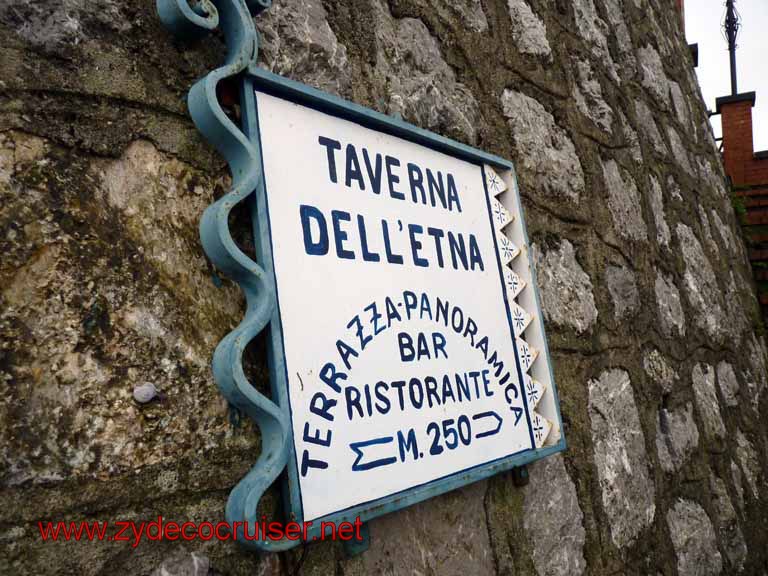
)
(189, 20)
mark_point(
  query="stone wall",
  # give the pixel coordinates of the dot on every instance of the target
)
(652, 321)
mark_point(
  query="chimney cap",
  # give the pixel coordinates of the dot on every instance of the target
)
(743, 97)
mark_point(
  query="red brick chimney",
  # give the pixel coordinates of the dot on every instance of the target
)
(744, 167)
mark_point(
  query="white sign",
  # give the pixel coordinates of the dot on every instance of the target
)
(396, 306)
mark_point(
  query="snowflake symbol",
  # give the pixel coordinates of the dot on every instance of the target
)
(533, 393)
(513, 283)
(519, 319)
(525, 356)
(507, 250)
(538, 428)
(498, 211)
(494, 183)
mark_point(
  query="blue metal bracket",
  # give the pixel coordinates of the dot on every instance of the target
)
(234, 17)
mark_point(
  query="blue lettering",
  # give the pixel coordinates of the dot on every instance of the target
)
(438, 343)
(381, 396)
(406, 444)
(307, 463)
(415, 182)
(316, 438)
(437, 234)
(374, 175)
(431, 386)
(324, 408)
(352, 398)
(353, 169)
(474, 254)
(447, 389)
(330, 147)
(436, 186)
(392, 258)
(453, 194)
(405, 344)
(345, 351)
(359, 332)
(367, 255)
(456, 243)
(312, 247)
(409, 299)
(375, 317)
(329, 375)
(416, 393)
(393, 179)
(414, 229)
(426, 308)
(340, 235)
(392, 312)
(462, 386)
(442, 309)
(486, 382)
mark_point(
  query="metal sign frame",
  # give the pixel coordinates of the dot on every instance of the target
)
(242, 149)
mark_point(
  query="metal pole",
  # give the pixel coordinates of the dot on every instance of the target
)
(731, 27)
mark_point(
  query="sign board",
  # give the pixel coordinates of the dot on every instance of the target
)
(406, 345)
(412, 348)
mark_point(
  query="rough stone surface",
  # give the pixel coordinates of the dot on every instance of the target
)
(104, 287)
(445, 536)
(631, 138)
(528, 31)
(694, 540)
(725, 233)
(729, 385)
(747, 456)
(757, 372)
(674, 188)
(298, 42)
(589, 97)
(616, 16)
(184, 564)
(566, 290)
(727, 524)
(706, 401)
(658, 369)
(657, 206)
(648, 125)
(469, 12)
(623, 289)
(595, 32)
(419, 84)
(679, 151)
(620, 457)
(553, 520)
(652, 75)
(680, 103)
(624, 203)
(701, 285)
(671, 315)
(737, 478)
(545, 149)
(676, 437)
(707, 228)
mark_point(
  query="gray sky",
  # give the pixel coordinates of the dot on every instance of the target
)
(703, 20)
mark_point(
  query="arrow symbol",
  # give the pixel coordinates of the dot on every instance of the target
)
(357, 447)
(489, 414)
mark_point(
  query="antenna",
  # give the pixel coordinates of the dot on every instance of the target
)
(731, 26)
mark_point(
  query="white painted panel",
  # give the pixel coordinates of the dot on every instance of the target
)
(336, 300)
